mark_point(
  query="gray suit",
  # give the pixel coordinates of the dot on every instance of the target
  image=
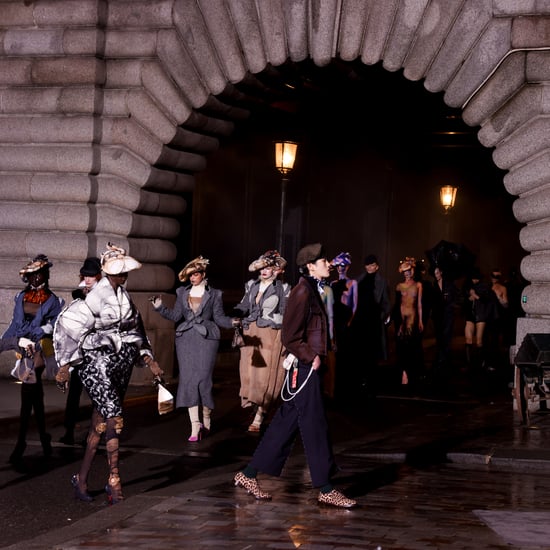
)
(197, 341)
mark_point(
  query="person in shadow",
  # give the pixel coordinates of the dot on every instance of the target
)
(444, 303)
(369, 329)
(345, 305)
(90, 274)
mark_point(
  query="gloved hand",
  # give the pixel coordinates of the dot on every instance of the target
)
(62, 378)
(47, 328)
(156, 302)
(153, 365)
(26, 344)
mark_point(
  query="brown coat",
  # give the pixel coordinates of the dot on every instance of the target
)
(305, 324)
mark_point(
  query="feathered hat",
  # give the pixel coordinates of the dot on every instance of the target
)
(36, 264)
(271, 258)
(115, 261)
(406, 264)
(194, 266)
(343, 259)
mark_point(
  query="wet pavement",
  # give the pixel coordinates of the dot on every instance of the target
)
(430, 469)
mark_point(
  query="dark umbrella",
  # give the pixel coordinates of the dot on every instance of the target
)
(453, 259)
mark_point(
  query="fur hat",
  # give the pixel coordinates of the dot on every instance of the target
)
(310, 254)
(406, 264)
(91, 267)
(271, 258)
(115, 261)
(343, 259)
(194, 266)
(36, 264)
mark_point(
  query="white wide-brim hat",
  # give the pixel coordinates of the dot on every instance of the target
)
(115, 261)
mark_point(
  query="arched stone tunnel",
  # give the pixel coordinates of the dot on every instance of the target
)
(110, 108)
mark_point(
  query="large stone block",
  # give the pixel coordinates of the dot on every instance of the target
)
(168, 96)
(535, 237)
(164, 180)
(68, 71)
(491, 48)
(536, 299)
(522, 106)
(66, 12)
(272, 23)
(502, 85)
(44, 216)
(430, 34)
(15, 72)
(403, 33)
(379, 23)
(352, 23)
(140, 13)
(530, 175)
(534, 206)
(466, 30)
(83, 41)
(526, 142)
(247, 25)
(53, 129)
(537, 66)
(320, 36)
(179, 64)
(132, 136)
(531, 32)
(130, 43)
(221, 31)
(198, 44)
(17, 13)
(33, 41)
(154, 226)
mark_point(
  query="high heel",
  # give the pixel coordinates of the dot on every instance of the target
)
(84, 496)
(113, 498)
(196, 435)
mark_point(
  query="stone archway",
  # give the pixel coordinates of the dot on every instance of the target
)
(110, 106)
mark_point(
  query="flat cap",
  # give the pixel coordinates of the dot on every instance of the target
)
(310, 254)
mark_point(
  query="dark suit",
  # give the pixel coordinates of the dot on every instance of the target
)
(305, 335)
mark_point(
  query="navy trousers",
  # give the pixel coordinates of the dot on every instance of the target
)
(304, 413)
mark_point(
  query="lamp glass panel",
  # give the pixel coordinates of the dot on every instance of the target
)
(448, 196)
(285, 155)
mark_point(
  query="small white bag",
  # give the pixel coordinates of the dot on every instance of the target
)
(165, 400)
(24, 371)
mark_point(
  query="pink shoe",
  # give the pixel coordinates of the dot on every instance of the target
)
(195, 438)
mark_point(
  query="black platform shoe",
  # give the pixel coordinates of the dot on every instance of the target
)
(46, 441)
(16, 456)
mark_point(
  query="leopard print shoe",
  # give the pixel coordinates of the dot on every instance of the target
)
(251, 485)
(336, 498)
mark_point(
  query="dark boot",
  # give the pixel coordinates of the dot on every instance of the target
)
(46, 440)
(17, 454)
(468, 355)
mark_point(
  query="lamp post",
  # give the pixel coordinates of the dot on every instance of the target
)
(447, 196)
(285, 155)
